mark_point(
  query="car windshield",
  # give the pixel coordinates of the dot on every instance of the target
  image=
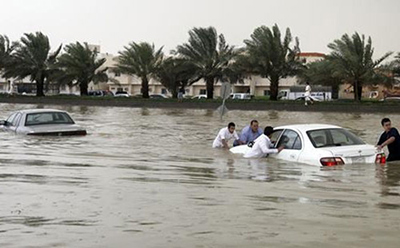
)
(333, 137)
(47, 118)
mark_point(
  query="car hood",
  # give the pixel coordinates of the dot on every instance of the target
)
(351, 151)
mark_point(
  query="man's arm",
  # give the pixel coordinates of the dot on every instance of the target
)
(392, 137)
(225, 144)
(265, 148)
(387, 142)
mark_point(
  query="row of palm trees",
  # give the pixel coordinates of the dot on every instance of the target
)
(206, 55)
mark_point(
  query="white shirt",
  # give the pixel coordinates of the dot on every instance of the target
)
(308, 91)
(224, 134)
(261, 148)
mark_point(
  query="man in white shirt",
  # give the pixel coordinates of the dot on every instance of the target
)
(224, 135)
(263, 146)
(307, 94)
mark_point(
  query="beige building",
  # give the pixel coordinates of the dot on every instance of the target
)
(254, 85)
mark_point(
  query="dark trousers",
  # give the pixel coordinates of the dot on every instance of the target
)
(393, 157)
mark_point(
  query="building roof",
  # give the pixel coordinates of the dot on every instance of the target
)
(312, 54)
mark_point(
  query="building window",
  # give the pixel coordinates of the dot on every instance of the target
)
(267, 93)
(203, 92)
(1, 87)
(117, 74)
(163, 91)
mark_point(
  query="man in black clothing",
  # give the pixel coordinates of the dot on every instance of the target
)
(390, 138)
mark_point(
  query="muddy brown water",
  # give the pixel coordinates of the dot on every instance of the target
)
(149, 178)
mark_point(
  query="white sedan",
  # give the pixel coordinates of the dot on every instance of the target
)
(319, 144)
(42, 122)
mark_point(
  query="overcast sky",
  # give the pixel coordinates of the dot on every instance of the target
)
(114, 23)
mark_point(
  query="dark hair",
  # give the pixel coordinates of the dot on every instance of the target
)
(251, 122)
(268, 130)
(384, 120)
(231, 124)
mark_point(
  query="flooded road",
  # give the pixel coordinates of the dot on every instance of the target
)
(149, 178)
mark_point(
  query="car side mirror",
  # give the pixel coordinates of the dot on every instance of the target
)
(3, 123)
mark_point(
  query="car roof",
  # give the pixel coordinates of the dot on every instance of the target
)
(30, 111)
(307, 127)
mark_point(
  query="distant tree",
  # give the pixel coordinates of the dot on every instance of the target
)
(176, 73)
(141, 60)
(32, 58)
(210, 54)
(271, 57)
(80, 65)
(352, 62)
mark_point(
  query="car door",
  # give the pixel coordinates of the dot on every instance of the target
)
(293, 145)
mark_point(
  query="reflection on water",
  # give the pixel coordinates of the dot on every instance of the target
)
(149, 177)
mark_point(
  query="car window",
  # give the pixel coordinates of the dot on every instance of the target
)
(275, 135)
(11, 118)
(48, 118)
(290, 140)
(333, 137)
(16, 120)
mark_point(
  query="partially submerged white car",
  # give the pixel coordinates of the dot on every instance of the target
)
(320, 144)
(42, 122)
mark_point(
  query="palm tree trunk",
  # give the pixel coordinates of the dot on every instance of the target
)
(274, 88)
(83, 88)
(210, 88)
(39, 86)
(145, 87)
(357, 86)
(360, 89)
(174, 92)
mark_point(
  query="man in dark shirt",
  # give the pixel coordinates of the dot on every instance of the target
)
(390, 138)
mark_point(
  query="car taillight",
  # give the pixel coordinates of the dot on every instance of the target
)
(332, 161)
(380, 158)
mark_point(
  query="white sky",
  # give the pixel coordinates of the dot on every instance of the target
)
(114, 23)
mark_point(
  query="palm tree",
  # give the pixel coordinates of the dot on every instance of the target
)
(395, 65)
(141, 60)
(176, 73)
(79, 64)
(352, 60)
(209, 53)
(271, 57)
(5, 50)
(32, 58)
(320, 73)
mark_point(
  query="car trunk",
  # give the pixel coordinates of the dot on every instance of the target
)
(58, 130)
(355, 153)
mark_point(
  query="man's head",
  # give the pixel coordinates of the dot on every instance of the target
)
(231, 127)
(254, 126)
(386, 124)
(307, 83)
(268, 131)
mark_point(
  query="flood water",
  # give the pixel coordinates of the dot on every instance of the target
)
(149, 178)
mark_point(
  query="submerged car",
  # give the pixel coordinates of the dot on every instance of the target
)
(42, 122)
(320, 144)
